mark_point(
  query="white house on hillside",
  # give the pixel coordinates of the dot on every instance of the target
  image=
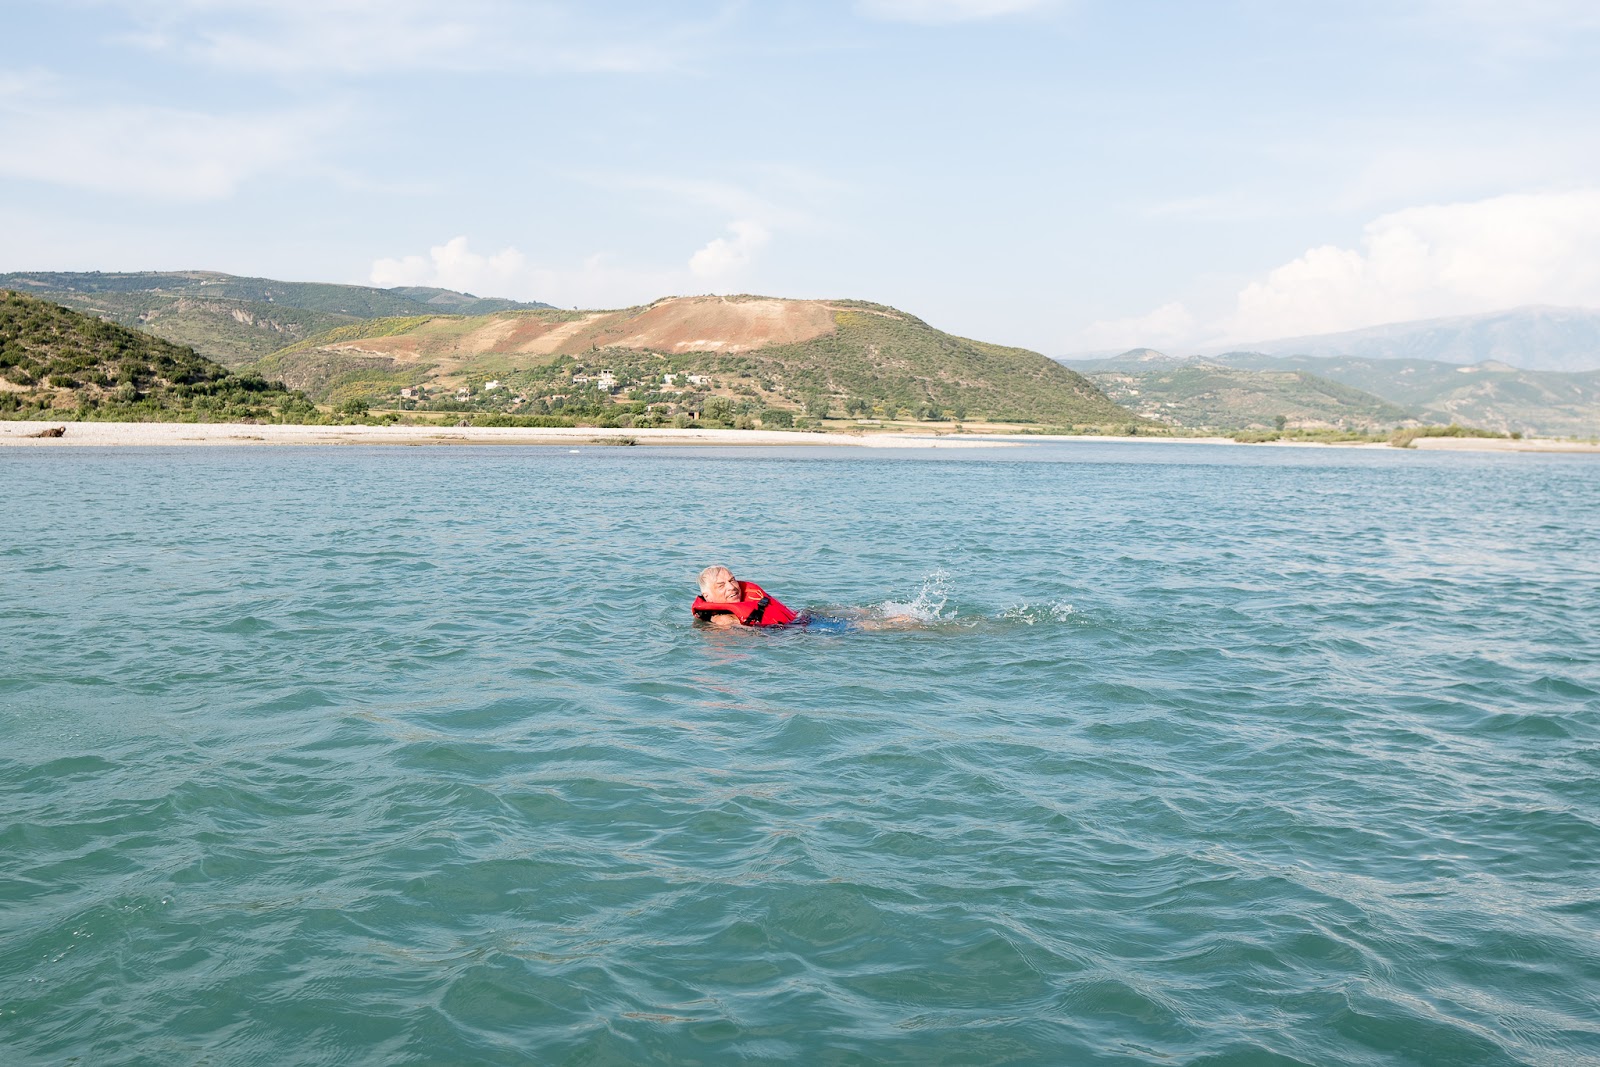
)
(606, 380)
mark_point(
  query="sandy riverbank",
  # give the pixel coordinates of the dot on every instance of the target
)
(188, 433)
(134, 434)
(1422, 444)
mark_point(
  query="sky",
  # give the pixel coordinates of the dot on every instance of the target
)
(1063, 175)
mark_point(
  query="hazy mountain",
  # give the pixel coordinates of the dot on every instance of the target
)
(236, 320)
(459, 303)
(1534, 369)
(1491, 395)
(1533, 338)
(1135, 359)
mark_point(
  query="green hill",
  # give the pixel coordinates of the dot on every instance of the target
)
(1489, 394)
(59, 363)
(741, 360)
(236, 320)
(448, 300)
(737, 357)
(1206, 395)
(887, 360)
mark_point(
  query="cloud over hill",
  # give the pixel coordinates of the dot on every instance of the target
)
(1420, 262)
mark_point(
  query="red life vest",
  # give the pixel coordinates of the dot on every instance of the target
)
(755, 608)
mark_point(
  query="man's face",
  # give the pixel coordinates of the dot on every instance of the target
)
(722, 588)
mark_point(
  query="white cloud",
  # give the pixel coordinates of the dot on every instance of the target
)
(723, 257)
(1422, 262)
(771, 199)
(1525, 28)
(721, 264)
(940, 12)
(597, 281)
(453, 265)
(364, 37)
(1167, 326)
(144, 150)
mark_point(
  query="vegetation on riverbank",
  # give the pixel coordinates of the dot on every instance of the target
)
(1407, 438)
(1402, 438)
(58, 363)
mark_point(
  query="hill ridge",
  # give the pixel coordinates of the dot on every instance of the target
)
(1490, 393)
(56, 362)
(236, 319)
(756, 354)
(1539, 337)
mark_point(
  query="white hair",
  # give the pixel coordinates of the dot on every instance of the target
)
(705, 576)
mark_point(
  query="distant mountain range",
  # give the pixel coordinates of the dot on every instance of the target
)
(1533, 338)
(235, 320)
(1236, 390)
(1532, 369)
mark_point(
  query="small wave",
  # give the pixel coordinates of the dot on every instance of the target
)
(1031, 614)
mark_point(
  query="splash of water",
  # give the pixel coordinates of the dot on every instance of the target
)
(930, 606)
(927, 606)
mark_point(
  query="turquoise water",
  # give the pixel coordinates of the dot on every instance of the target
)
(1198, 755)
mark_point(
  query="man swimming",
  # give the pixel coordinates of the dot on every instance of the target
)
(726, 601)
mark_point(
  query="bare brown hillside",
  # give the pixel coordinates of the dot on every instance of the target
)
(750, 353)
(676, 324)
(716, 324)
